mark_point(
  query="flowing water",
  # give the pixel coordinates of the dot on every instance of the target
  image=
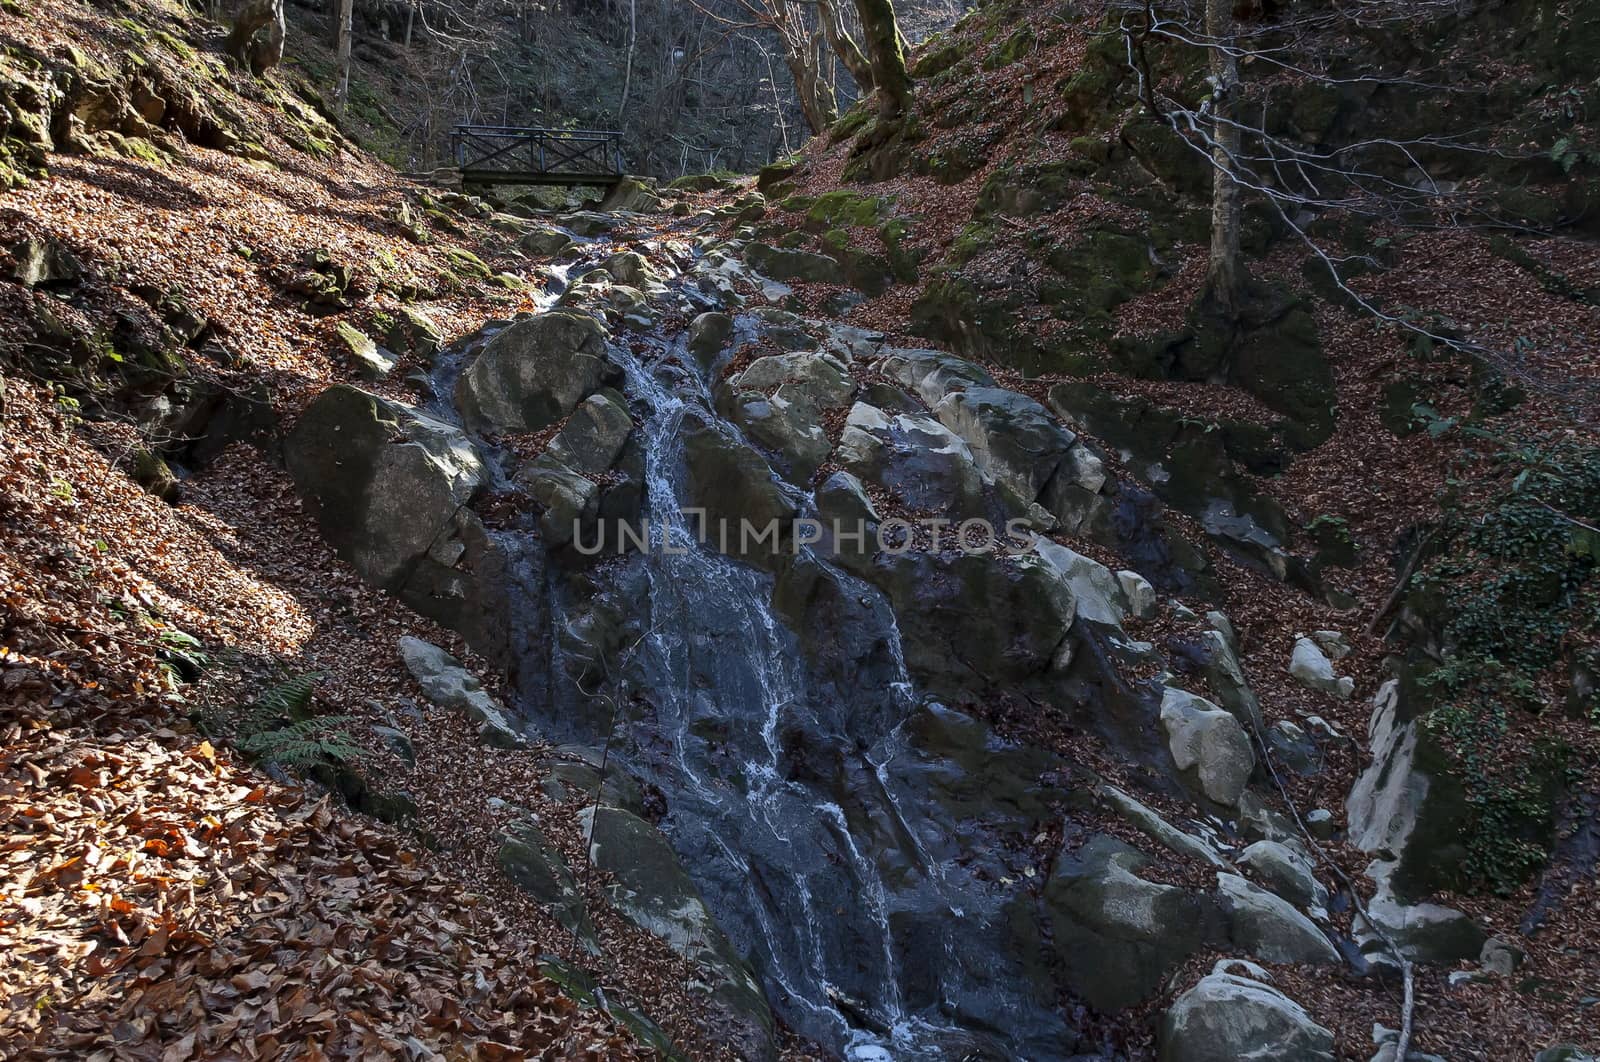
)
(811, 821)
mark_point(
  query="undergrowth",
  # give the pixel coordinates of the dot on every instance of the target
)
(1515, 598)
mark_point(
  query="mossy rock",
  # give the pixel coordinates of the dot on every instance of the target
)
(464, 264)
(703, 182)
(843, 208)
(936, 60)
(1013, 48)
(1031, 189)
(851, 122)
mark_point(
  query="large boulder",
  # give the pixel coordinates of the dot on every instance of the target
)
(1118, 935)
(1210, 742)
(735, 488)
(782, 263)
(1094, 586)
(914, 458)
(528, 858)
(1232, 1018)
(1407, 807)
(970, 622)
(535, 372)
(446, 683)
(1310, 667)
(932, 374)
(1013, 439)
(1269, 927)
(649, 887)
(779, 401)
(1286, 871)
(592, 438)
(382, 479)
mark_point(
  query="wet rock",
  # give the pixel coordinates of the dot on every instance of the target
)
(569, 500)
(1096, 590)
(736, 488)
(1286, 871)
(1209, 741)
(1118, 935)
(709, 335)
(790, 429)
(545, 242)
(1269, 927)
(446, 683)
(535, 372)
(970, 622)
(1227, 1017)
(649, 887)
(383, 480)
(1313, 670)
(534, 865)
(593, 437)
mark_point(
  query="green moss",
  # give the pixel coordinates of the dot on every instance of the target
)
(1020, 43)
(465, 264)
(844, 209)
(851, 122)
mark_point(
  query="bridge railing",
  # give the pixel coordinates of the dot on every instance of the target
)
(508, 154)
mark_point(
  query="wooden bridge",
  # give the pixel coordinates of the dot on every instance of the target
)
(505, 154)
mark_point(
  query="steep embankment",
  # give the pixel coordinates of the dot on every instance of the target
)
(193, 254)
(909, 798)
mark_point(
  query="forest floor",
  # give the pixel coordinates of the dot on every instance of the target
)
(162, 897)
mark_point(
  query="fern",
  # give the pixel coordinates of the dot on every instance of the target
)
(307, 743)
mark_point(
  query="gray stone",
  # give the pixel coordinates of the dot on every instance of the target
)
(736, 489)
(44, 262)
(1118, 935)
(709, 335)
(1229, 1018)
(535, 372)
(1388, 1041)
(372, 361)
(568, 500)
(1208, 740)
(914, 458)
(1286, 872)
(594, 435)
(545, 242)
(1294, 748)
(811, 376)
(382, 480)
(649, 887)
(1334, 644)
(1146, 821)
(782, 263)
(534, 865)
(1013, 439)
(1407, 805)
(1138, 593)
(397, 742)
(932, 374)
(1321, 823)
(1424, 932)
(1225, 679)
(1500, 957)
(446, 683)
(1313, 670)
(1097, 591)
(1268, 926)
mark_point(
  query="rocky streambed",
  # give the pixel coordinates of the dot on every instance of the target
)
(794, 780)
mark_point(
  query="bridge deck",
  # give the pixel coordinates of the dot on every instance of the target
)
(504, 154)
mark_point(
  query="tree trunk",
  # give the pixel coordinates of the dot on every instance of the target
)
(844, 46)
(627, 76)
(257, 37)
(888, 61)
(341, 91)
(1224, 273)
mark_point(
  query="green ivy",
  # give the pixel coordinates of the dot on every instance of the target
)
(1515, 595)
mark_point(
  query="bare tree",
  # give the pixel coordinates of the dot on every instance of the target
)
(889, 74)
(844, 45)
(1224, 271)
(341, 89)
